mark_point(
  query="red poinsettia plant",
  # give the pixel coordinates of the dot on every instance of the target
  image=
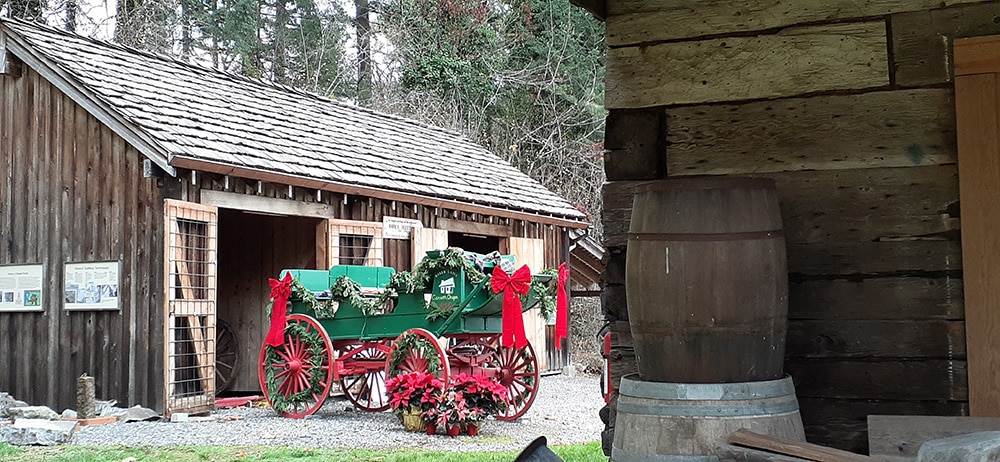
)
(418, 390)
(470, 399)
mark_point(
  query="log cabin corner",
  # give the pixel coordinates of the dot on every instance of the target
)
(145, 203)
(878, 122)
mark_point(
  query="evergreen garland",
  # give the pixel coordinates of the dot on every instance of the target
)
(279, 401)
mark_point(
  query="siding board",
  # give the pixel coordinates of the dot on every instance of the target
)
(793, 62)
(870, 130)
(635, 21)
(922, 40)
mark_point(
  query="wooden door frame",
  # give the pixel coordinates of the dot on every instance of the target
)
(977, 109)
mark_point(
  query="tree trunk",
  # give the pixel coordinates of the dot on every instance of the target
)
(71, 10)
(363, 26)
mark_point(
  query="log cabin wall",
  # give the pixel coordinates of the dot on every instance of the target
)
(849, 107)
(254, 247)
(73, 191)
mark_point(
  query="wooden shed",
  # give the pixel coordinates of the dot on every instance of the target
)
(145, 203)
(878, 122)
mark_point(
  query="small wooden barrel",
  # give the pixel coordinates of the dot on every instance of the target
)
(706, 280)
(679, 422)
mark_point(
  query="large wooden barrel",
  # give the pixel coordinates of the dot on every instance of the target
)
(706, 280)
(679, 422)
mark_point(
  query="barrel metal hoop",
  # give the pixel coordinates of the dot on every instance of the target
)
(619, 455)
(710, 410)
(708, 237)
(632, 386)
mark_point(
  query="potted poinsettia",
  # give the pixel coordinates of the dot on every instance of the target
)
(480, 397)
(412, 395)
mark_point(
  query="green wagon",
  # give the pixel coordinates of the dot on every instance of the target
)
(359, 350)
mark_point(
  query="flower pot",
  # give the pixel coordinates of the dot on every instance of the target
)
(431, 429)
(412, 420)
(454, 430)
(472, 428)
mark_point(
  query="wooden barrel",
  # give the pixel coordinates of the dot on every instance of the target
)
(678, 422)
(706, 280)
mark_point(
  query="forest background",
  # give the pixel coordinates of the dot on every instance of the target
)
(524, 78)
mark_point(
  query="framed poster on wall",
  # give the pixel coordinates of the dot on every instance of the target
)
(21, 288)
(91, 286)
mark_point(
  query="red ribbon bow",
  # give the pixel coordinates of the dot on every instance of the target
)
(562, 306)
(512, 286)
(280, 291)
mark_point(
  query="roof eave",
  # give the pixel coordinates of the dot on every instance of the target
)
(367, 191)
(87, 99)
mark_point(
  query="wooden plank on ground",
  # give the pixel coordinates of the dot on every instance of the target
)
(926, 379)
(877, 129)
(636, 21)
(875, 339)
(898, 298)
(977, 99)
(789, 447)
(921, 40)
(792, 62)
(902, 435)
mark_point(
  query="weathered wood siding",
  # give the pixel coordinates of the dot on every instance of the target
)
(848, 105)
(73, 191)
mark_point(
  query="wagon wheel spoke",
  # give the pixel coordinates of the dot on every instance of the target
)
(300, 370)
(227, 358)
(366, 390)
(518, 374)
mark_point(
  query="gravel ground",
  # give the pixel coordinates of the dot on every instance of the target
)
(565, 412)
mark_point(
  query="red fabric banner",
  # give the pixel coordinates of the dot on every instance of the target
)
(562, 306)
(512, 286)
(280, 291)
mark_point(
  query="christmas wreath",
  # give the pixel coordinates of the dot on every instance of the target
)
(314, 343)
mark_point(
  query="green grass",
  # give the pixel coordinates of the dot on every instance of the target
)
(589, 452)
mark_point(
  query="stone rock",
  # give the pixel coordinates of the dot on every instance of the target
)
(32, 412)
(68, 414)
(7, 402)
(972, 447)
(138, 414)
(26, 432)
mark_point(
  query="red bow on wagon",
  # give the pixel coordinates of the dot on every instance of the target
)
(513, 287)
(280, 291)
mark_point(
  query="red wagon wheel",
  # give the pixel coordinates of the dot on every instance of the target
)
(365, 383)
(519, 375)
(417, 350)
(296, 375)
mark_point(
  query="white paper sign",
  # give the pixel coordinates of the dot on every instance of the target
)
(91, 286)
(21, 288)
(398, 228)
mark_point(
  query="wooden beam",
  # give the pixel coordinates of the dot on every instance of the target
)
(789, 447)
(792, 62)
(482, 229)
(265, 205)
(979, 55)
(977, 102)
(598, 8)
(637, 21)
(360, 190)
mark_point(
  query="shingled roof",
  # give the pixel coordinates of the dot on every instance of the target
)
(185, 116)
